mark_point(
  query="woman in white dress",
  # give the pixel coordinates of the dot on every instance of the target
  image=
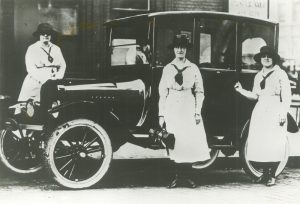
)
(181, 96)
(268, 127)
(44, 61)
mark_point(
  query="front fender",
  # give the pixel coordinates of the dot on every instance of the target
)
(67, 105)
(103, 115)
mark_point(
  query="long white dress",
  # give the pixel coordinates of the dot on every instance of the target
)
(178, 104)
(267, 138)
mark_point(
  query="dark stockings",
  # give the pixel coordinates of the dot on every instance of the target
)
(273, 168)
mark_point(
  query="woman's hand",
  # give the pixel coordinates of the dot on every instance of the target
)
(238, 87)
(161, 121)
(197, 118)
(282, 118)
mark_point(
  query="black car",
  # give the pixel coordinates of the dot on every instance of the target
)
(86, 121)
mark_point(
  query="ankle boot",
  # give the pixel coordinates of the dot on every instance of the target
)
(264, 177)
(190, 183)
(174, 182)
(271, 181)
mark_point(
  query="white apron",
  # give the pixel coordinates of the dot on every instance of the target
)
(267, 139)
(190, 139)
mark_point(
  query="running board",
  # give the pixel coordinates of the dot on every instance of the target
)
(222, 146)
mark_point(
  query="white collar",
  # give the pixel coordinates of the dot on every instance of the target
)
(42, 46)
(186, 62)
(272, 69)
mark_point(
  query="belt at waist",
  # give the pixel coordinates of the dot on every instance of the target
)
(269, 98)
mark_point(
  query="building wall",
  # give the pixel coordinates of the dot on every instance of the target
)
(7, 46)
(205, 5)
(289, 31)
(84, 52)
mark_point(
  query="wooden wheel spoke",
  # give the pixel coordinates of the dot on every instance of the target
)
(65, 148)
(66, 164)
(16, 156)
(70, 143)
(14, 136)
(84, 137)
(90, 142)
(72, 170)
(95, 149)
(63, 156)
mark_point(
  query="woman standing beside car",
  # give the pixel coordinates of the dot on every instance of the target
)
(268, 126)
(181, 96)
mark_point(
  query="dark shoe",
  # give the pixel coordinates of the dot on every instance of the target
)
(190, 183)
(271, 181)
(262, 179)
(174, 183)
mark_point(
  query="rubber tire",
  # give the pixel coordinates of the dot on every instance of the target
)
(202, 165)
(6, 162)
(54, 138)
(248, 168)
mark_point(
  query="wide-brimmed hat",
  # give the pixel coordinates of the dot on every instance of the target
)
(180, 40)
(269, 51)
(45, 28)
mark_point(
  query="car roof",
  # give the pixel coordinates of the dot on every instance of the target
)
(144, 17)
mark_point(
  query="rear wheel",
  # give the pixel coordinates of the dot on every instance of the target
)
(251, 168)
(204, 164)
(20, 150)
(78, 154)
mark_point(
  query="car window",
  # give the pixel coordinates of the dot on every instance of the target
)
(216, 43)
(254, 36)
(129, 45)
(167, 28)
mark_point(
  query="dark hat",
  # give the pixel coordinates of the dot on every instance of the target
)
(180, 40)
(267, 50)
(44, 28)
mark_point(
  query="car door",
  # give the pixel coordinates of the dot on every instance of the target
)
(129, 69)
(216, 53)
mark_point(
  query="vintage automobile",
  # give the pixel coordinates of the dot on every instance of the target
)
(86, 121)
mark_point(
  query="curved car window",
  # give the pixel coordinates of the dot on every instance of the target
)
(129, 45)
(254, 36)
(216, 43)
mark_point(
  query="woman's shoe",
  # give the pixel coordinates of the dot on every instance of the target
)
(262, 179)
(271, 181)
(191, 183)
(174, 182)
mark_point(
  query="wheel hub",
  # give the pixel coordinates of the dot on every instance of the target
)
(82, 154)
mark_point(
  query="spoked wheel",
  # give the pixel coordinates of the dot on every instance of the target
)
(78, 154)
(250, 167)
(204, 164)
(20, 150)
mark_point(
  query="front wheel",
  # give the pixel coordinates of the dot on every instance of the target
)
(78, 154)
(251, 168)
(20, 150)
